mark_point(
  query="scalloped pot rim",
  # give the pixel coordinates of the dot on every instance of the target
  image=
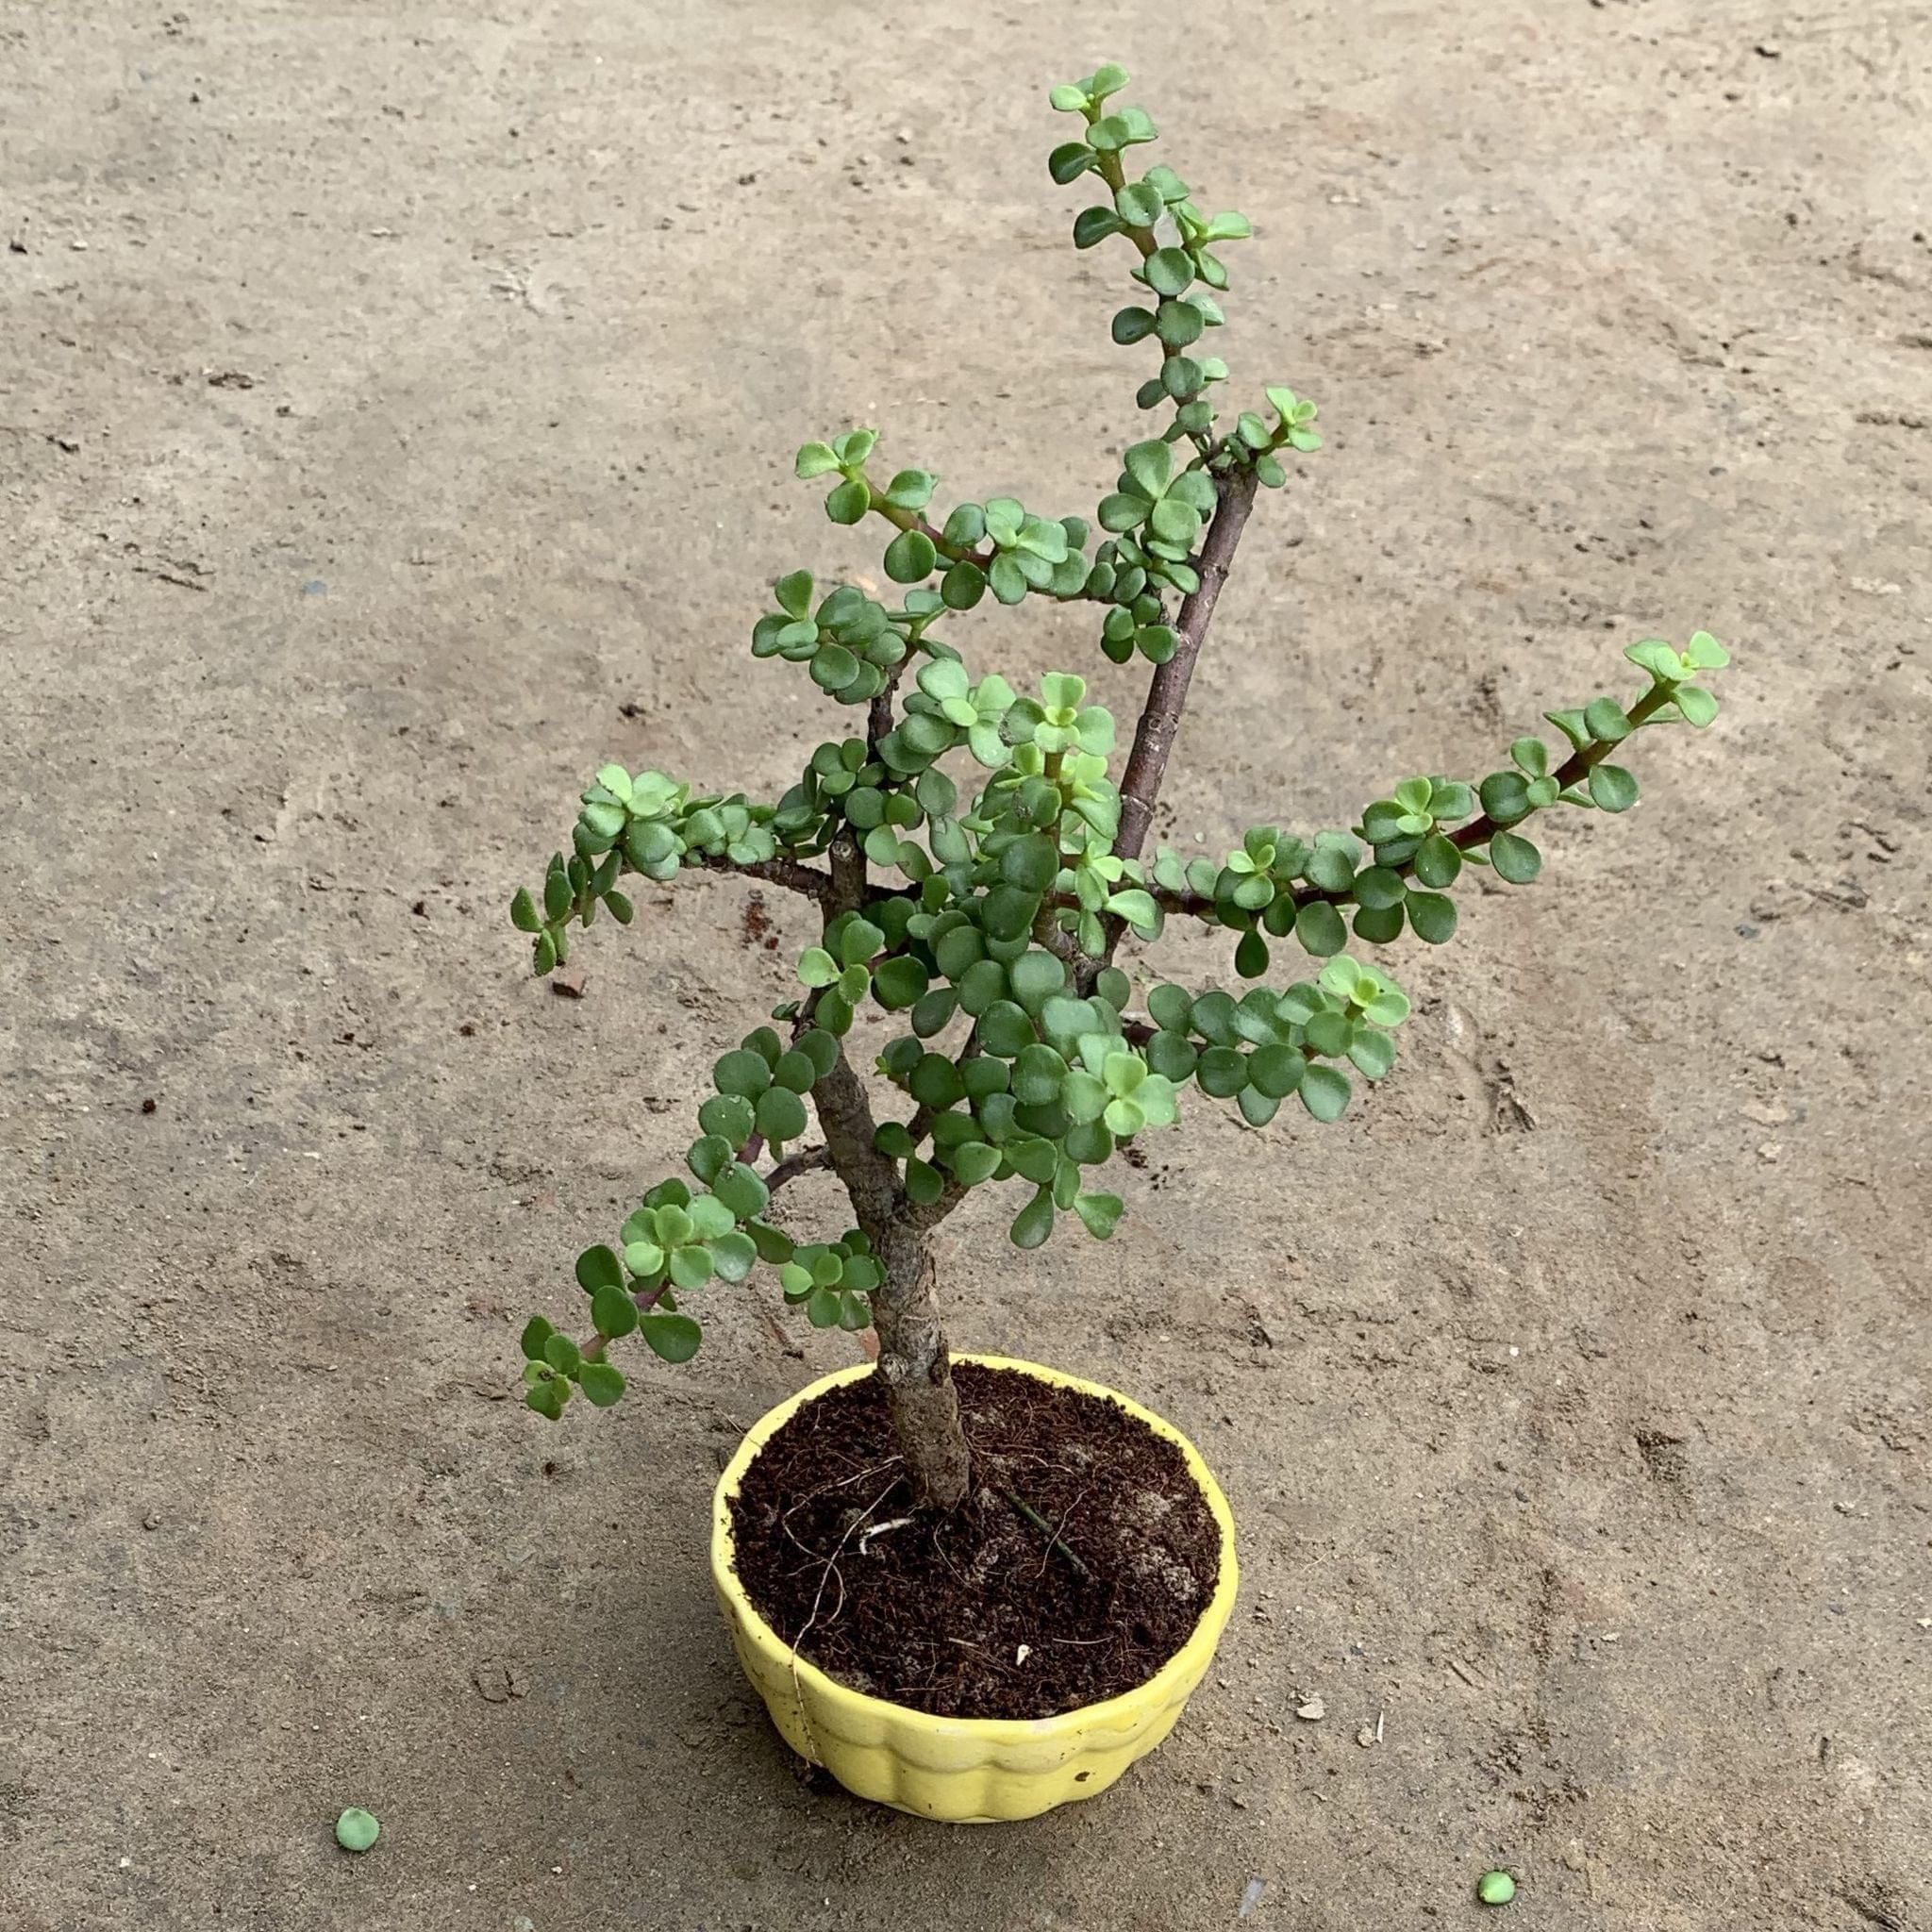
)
(963, 1770)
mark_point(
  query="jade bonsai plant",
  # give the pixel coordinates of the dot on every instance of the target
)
(977, 863)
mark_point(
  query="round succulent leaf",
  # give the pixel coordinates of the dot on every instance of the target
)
(781, 1114)
(1325, 1092)
(1276, 1071)
(1035, 978)
(1514, 858)
(1005, 1030)
(1038, 1075)
(1437, 863)
(598, 1268)
(1168, 270)
(1222, 1072)
(1432, 917)
(1034, 1223)
(910, 557)
(1613, 788)
(1319, 928)
(935, 1081)
(1372, 1053)
(796, 1071)
(742, 1192)
(899, 983)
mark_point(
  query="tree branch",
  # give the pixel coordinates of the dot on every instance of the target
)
(805, 1162)
(1167, 693)
(792, 873)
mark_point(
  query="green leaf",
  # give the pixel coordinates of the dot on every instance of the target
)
(1095, 224)
(1067, 100)
(1034, 1221)
(1231, 226)
(1169, 1007)
(1147, 465)
(974, 1162)
(598, 1268)
(675, 1338)
(602, 1383)
(1132, 324)
(1138, 205)
(1697, 704)
(814, 460)
(858, 940)
(1613, 788)
(1325, 1092)
(1438, 862)
(816, 967)
(1139, 908)
(523, 911)
(935, 1082)
(561, 1354)
(849, 502)
(1005, 1030)
(1038, 1072)
(1372, 1053)
(962, 586)
(1168, 270)
(742, 1190)
(1005, 579)
(781, 1114)
(1035, 978)
(613, 1312)
(1658, 658)
(1704, 652)
(910, 557)
(796, 1071)
(536, 1332)
(899, 983)
(1251, 956)
(548, 1398)
(1515, 858)
(1068, 161)
(1276, 1071)
(1318, 927)
(1179, 324)
(1031, 862)
(1432, 916)
(742, 1071)
(1100, 1214)
(1605, 720)
(1222, 1072)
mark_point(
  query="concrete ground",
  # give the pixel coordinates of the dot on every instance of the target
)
(396, 410)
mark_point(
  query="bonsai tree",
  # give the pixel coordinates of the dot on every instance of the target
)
(977, 862)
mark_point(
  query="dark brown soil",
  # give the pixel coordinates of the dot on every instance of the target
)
(988, 1612)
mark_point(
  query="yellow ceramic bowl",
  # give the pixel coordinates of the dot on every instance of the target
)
(962, 1771)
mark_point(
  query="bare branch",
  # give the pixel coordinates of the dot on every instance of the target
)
(1167, 693)
(792, 873)
(806, 1161)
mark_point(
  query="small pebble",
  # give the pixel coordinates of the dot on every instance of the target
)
(1314, 1711)
(357, 1829)
(1495, 1887)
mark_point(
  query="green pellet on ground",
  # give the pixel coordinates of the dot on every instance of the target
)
(357, 1829)
(1495, 1887)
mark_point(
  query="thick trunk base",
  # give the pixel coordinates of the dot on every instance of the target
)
(917, 1369)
